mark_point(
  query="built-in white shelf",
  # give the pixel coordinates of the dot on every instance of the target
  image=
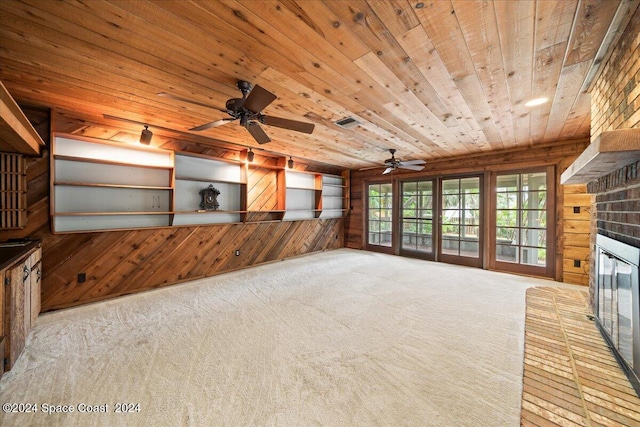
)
(195, 173)
(101, 185)
(98, 185)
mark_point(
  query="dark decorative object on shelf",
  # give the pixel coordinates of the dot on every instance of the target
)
(210, 198)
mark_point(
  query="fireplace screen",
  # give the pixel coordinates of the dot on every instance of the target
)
(617, 307)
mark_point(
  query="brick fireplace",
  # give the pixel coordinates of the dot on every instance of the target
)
(610, 166)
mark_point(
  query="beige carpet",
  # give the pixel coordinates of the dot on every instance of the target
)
(338, 338)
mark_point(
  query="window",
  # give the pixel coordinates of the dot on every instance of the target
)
(379, 224)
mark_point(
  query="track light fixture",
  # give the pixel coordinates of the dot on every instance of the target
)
(290, 163)
(146, 135)
(250, 155)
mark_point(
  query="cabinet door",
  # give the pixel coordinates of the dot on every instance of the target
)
(15, 297)
(34, 300)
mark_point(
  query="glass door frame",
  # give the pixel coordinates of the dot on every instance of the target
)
(457, 259)
(517, 268)
(394, 214)
(431, 256)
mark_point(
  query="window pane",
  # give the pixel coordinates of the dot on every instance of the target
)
(450, 246)
(450, 216)
(507, 183)
(409, 226)
(472, 201)
(534, 200)
(450, 186)
(534, 237)
(506, 218)
(533, 256)
(471, 232)
(534, 219)
(507, 253)
(450, 230)
(507, 235)
(452, 201)
(470, 185)
(426, 227)
(471, 217)
(534, 181)
(409, 213)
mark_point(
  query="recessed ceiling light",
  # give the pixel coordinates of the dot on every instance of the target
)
(536, 101)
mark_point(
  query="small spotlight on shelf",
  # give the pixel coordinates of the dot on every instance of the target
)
(250, 155)
(146, 135)
(290, 163)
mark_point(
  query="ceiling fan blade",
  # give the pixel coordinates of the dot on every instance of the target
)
(258, 99)
(212, 124)
(369, 168)
(411, 167)
(257, 133)
(387, 170)
(413, 162)
(190, 101)
(288, 124)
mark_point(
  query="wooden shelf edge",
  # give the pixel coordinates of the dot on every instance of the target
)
(185, 178)
(90, 184)
(609, 152)
(110, 213)
(109, 162)
(20, 133)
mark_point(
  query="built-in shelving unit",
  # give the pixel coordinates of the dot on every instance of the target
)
(303, 195)
(335, 196)
(195, 173)
(99, 185)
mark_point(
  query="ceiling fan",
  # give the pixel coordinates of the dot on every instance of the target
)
(248, 110)
(393, 164)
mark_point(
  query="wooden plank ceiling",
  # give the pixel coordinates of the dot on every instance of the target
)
(431, 79)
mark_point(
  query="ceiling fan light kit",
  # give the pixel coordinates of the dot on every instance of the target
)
(248, 110)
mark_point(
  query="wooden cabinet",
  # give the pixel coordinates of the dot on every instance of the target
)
(21, 301)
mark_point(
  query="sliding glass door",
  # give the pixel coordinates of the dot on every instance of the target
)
(461, 221)
(523, 222)
(380, 217)
(416, 216)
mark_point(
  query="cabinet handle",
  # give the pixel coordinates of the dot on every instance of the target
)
(39, 274)
(25, 273)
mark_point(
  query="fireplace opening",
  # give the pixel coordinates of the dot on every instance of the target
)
(617, 303)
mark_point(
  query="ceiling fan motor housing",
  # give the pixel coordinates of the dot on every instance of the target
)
(235, 106)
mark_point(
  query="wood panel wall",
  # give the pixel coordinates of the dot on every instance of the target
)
(560, 155)
(117, 263)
